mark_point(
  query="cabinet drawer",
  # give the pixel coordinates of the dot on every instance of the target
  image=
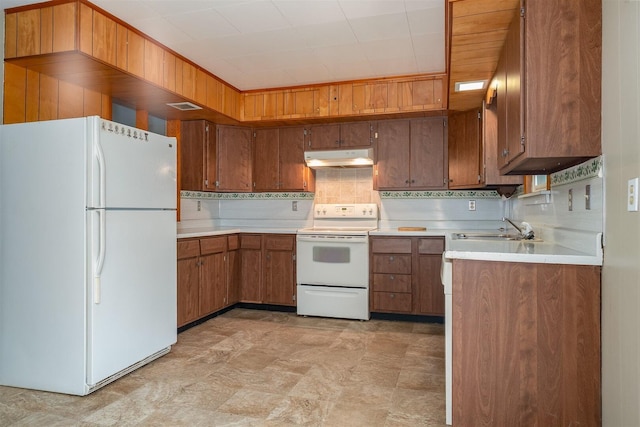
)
(431, 246)
(392, 264)
(250, 241)
(188, 248)
(213, 245)
(233, 242)
(391, 246)
(392, 301)
(279, 243)
(392, 282)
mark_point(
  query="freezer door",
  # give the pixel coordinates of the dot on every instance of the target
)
(130, 168)
(132, 300)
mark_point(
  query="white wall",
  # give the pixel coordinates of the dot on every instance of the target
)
(621, 272)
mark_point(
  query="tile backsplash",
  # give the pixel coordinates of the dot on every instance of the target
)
(345, 185)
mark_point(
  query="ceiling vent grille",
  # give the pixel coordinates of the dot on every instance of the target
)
(184, 106)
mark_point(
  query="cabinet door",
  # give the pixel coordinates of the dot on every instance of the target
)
(251, 268)
(490, 153)
(233, 277)
(428, 153)
(393, 152)
(234, 158)
(233, 269)
(429, 291)
(213, 274)
(501, 109)
(465, 149)
(192, 155)
(357, 134)
(266, 165)
(291, 162)
(188, 281)
(279, 275)
(323, 137)
(213, 283)
(513, 71)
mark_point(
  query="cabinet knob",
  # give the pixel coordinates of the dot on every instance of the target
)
(338, 142)
(392, 277)
(390, 258)
(392, 296)
(505, 152)
(406, 181)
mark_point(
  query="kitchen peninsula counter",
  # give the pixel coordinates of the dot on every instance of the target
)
(542, 252)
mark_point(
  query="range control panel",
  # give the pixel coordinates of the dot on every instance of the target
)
(355, 211)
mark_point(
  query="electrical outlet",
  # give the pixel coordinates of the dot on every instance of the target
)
(632, 195)
(587, 197)
(199, 208)
(472, 205)
(294, 205)
(570, 199)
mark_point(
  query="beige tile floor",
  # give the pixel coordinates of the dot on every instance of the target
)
(264, 368)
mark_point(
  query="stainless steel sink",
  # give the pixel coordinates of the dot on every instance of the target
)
(490, 236)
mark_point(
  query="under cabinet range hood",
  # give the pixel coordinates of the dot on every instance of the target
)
(339, 158)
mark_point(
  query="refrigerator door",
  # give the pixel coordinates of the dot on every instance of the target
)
(132, 303)
(130, 168)
(42, 256)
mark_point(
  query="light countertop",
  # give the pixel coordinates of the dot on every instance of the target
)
(544, 252)
(519, 251)
(183, 233)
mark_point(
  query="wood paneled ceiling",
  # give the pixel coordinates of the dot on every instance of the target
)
(478, 32)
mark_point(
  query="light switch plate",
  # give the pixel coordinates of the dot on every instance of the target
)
(632, 195)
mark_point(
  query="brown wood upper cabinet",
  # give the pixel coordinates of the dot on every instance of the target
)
(472, 149)
(411, 154)
(279, 160)
(340, 135)
(215, 157)
(552, 65)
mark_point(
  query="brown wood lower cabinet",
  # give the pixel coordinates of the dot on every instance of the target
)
(267, 269)
(206, 277)
(405, 275)
(526, 344)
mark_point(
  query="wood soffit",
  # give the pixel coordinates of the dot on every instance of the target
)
(478, 30)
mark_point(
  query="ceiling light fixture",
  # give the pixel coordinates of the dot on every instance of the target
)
(470, 85)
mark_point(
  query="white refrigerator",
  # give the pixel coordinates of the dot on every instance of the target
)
(87, 252)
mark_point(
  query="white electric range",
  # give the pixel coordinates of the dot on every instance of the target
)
(333, 261)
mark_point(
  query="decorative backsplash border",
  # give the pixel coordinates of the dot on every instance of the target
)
(244, 196)
(589, 169)
(444, 194)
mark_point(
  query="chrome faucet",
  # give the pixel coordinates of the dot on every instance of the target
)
(526, 234)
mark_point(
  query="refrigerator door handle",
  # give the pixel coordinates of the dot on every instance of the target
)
(102, 231)
(102, 170)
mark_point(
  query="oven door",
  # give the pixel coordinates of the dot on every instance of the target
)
(333, 260)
